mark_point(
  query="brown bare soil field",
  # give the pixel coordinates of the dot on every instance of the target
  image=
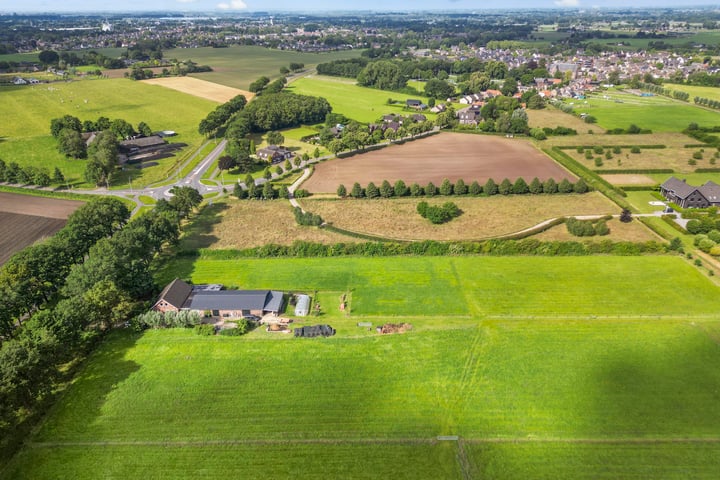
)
(447, 155)
(18, 231)
(39, 206)
(619, 232)
(551, 117)
(628, 179)
(233, 223)
(482, 217)
(200, 88)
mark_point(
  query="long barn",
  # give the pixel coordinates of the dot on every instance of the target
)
(179, 295)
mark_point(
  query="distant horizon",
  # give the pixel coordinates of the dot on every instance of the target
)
(329, 6)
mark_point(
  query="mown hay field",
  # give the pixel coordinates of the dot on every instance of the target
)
(447, 155)
(200, 88)
(482, 217)
(551, 117)
(678, 159)
(238, 224)
(619, 232)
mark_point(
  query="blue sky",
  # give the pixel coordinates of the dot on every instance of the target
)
(319, 5)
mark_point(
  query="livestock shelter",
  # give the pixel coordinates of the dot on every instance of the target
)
(302, 306)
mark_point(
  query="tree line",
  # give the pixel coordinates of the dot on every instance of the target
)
(68, 132)
(29, 175)
(446, 188)
(59, 297)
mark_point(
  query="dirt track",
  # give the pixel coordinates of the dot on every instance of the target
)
(448, 155)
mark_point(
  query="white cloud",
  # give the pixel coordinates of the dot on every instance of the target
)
(567, 3)
(232, 5)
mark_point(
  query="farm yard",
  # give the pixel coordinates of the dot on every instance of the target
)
(590, 385)
(447, 155)
(482, 217)
(26, 219)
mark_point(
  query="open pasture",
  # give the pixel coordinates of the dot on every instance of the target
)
(447, 155)
(619, 109)
(482, 217)
(200, 88)
(559, 398)
(485, 286)
(363, 104)
(239, 65)
(26, 219)
(27, 141)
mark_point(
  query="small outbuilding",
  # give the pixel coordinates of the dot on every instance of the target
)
(315, 331)
(302, 306)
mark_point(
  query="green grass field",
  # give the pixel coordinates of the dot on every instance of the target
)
(476, 286)
(239, 65)
(359, 103)
(659, 114)
(27, 141)
(712, 93)
(540, 399)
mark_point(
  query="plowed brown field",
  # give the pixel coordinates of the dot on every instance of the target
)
(448, 155)
(25, 219)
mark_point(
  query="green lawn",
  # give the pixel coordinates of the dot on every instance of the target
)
(476, 286)
(659, 114)
(359, 103)
(26, 140)
(238, 66)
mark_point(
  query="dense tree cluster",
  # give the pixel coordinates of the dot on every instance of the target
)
(383, 75)
(708, 242)
(438, 214)
(285, 110)
(586, 228)
(307, 218)
(29, 175)
(93, 273)
(219, 117)
(506, 187)
(343, 68)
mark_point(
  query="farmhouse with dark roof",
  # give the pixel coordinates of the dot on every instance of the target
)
(179, 295)
(688, 196)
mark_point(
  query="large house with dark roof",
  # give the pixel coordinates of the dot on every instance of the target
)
(179, 295)
(688, 196)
